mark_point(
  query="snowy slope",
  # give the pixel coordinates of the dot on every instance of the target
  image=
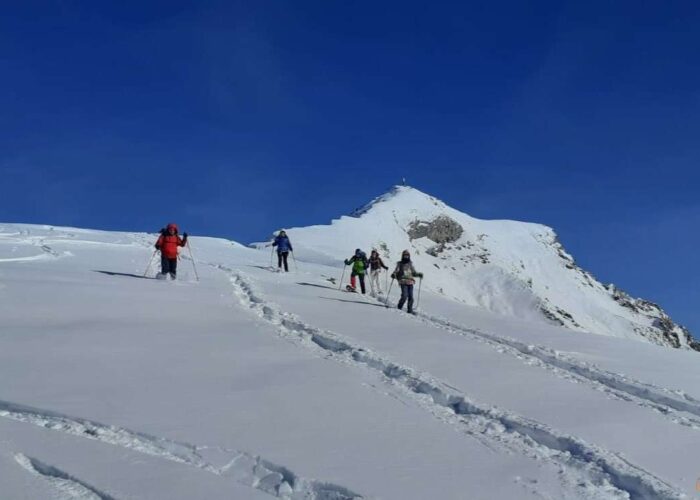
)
(507, 267)
(254, 384)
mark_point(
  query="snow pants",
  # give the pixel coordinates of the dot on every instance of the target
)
(168, 266)
(282, 258)
(406, 294)
(374, 283)
(362, 280)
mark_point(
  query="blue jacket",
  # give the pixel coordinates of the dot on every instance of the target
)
(283, 244)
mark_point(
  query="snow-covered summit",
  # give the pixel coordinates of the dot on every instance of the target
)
(511, 268)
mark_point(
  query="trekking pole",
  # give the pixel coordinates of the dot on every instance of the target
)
(150, 262)
(341, 277)
(296, 268)
(418, 298)
(272, 252)
(192, 258)
(386, 304)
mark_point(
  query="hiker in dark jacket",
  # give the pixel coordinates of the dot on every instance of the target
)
(405, 274)
(284, 246)
(359, 267)
(375, 268)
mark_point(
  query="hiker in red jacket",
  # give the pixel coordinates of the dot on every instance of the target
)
(168, 244)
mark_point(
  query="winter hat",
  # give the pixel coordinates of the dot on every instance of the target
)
(171, 226)
(358, 251)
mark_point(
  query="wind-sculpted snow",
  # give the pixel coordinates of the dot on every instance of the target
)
(66, 484)
(36, 247)
(662, 400)
(243, 467)
(601, 473)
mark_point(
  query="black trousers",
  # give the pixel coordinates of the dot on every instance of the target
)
(362, 280)
(282, 258)
(168, 266)
(406, 293)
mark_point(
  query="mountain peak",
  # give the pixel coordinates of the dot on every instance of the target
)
(400, 196)
(507, 267)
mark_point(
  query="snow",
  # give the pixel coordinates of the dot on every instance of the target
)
(506, 267)
(255, 384)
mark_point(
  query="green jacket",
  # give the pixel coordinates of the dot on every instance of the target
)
(359, 263)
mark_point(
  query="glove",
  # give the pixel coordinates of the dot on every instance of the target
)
(393, 276)
(420, 275)
(184, 236)
(157, 246)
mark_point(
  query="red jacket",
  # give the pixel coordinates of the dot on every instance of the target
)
(167, 244)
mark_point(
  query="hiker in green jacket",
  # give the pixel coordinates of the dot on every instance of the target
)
(359, 267)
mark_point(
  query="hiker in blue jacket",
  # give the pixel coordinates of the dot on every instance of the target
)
(284, 246)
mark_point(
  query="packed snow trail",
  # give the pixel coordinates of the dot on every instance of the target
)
(247, 469)
(616, 385)
(667, 402)
(66, 484)
(607, 474)
(493, 377)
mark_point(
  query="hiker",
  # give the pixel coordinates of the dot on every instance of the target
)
(375, 268)
(168, 243)
(405, 274)
(284, 246)
(359, 267)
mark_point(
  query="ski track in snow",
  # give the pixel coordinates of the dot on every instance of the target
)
(247, 469)
(665, 401)
(67, 485)
(593, 471)
(48, 253)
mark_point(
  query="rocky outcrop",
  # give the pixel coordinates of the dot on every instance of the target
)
(441, 230)
(663, 329)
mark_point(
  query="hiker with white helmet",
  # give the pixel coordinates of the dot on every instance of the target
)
(375, 268)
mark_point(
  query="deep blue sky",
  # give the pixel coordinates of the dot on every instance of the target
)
(236, 118)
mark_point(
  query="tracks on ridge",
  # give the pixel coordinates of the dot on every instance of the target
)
(666, 402)
(60, 480)
(601, 473)
(244, 468)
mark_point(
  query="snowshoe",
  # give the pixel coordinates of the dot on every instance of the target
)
(348, 288)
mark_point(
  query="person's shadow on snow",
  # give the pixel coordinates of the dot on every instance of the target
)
(128, 275)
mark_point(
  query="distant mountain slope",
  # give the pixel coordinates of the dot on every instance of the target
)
(511, 268)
